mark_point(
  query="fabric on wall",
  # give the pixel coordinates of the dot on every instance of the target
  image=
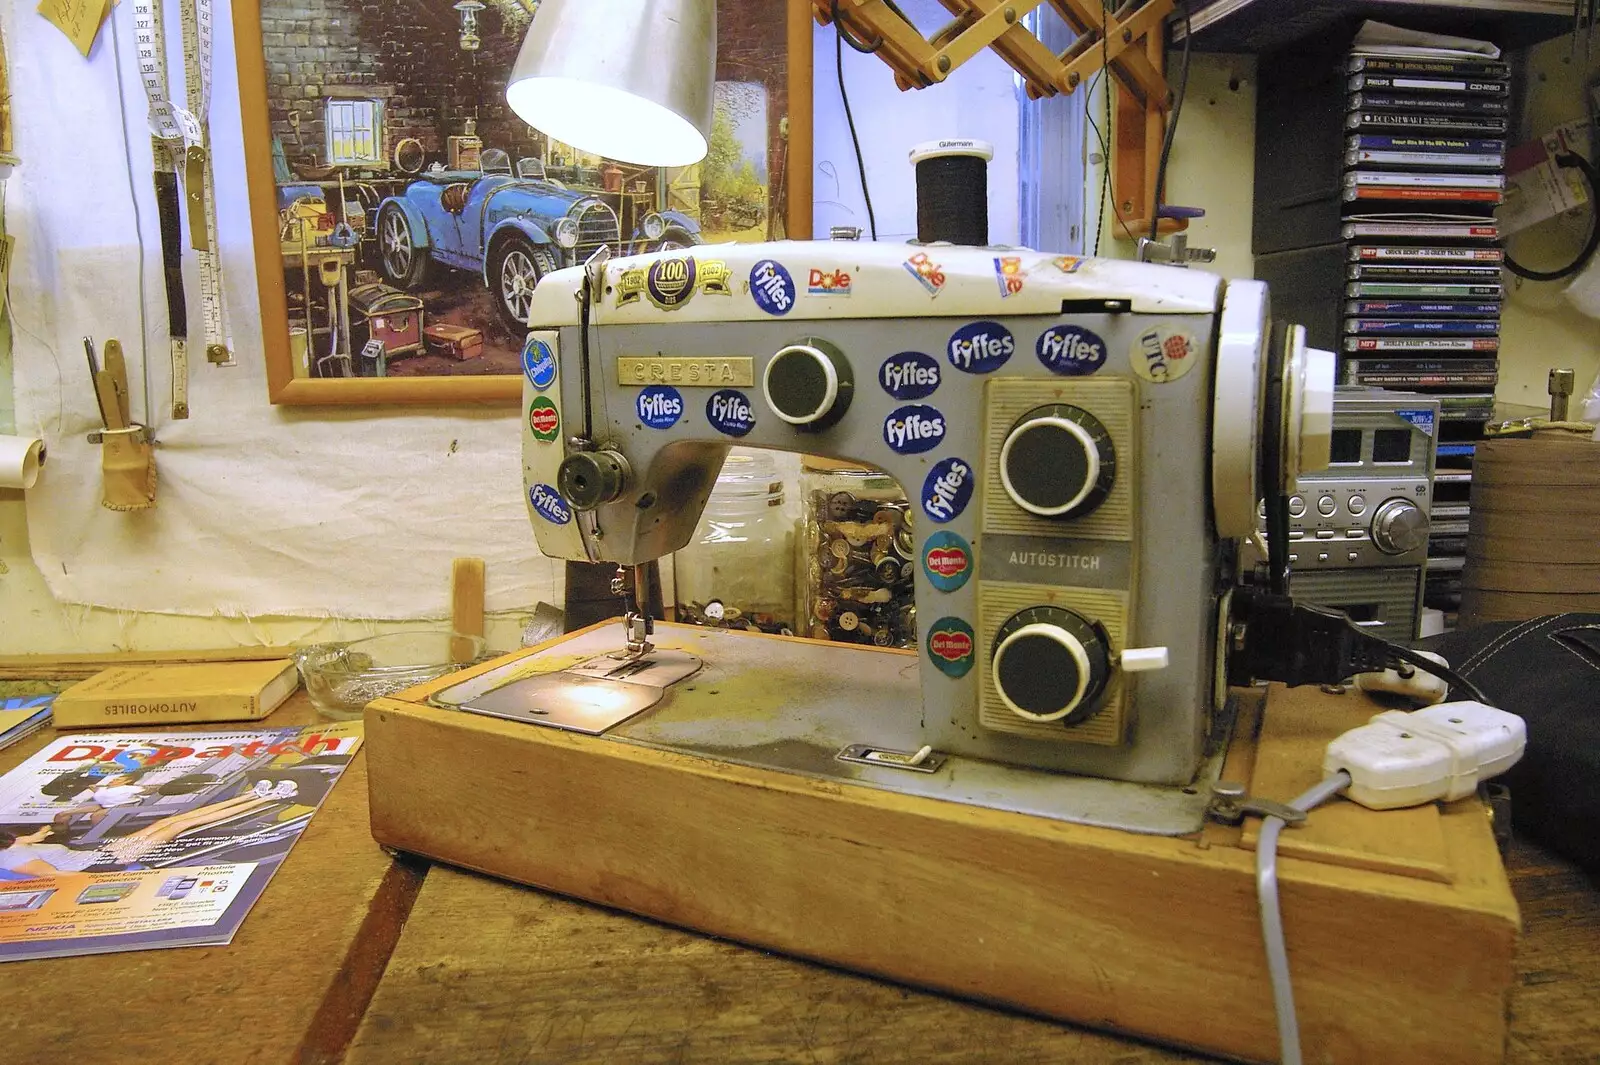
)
(260, 509)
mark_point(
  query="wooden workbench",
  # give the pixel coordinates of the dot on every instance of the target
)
(353, 957)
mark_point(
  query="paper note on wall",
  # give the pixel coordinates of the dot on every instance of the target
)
(80, 20)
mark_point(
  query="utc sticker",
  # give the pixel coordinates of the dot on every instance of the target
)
(913, 429)
(909, 375)
(538, 363)
(548, 504)
(544, 420)
(947, 489)
(981, 347)
(1161, 354)
(947, 560)
(659, 406)
(1071, 350)
(771, 287)
(950, 646)
(730, 413)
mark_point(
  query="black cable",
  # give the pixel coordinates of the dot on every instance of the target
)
(1581, 164)
(1172, 127)
(1444, 673)
(584, 301)
(844, 97)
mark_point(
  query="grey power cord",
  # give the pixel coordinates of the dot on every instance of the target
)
(1272, 916)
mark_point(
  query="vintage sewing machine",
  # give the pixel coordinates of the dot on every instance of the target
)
(1022, 802)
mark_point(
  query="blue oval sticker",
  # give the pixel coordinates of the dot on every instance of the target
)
(538, 363)
(1071, 350)
(947, 489)
(913, 429)
(729, 412)
(771, 287)
(909, 375)
(981, 347)
(548, 504)
(659, 406)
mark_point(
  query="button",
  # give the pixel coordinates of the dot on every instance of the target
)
(1323, 557)
(1352, 556)
(1326, 506)
(1297, 534)
(1326, 534)
(1297, 506)
(1356, 534)
(1294, 558)
(1357, 504)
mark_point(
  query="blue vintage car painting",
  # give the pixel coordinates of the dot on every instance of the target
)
(511, 228)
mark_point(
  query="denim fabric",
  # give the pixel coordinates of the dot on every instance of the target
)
(1548, 671)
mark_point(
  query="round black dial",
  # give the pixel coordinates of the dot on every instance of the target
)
(1051, 664)
(1058, 462)
(808, 384)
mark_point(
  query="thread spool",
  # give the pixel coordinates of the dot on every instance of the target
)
(953, 191)
(1531, 545)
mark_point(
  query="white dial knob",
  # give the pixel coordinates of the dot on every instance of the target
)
(808, 384)
(1057, 462)
(1050, 664)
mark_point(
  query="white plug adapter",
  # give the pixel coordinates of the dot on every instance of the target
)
(1423, 688)
(1441, 752)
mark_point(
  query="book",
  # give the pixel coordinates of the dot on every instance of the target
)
(22, 716)
(1442, 105)
(189, 692)
(1375, 157)
(1404, 227)
(1379, 142)
(1359, 289)
(1433, 67)
(1432, 344)
(1423, 327)
(1419, 308)
(1435, 123)
(1421, 253)
(1412, 83)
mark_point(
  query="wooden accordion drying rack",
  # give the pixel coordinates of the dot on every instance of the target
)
(1128, 38)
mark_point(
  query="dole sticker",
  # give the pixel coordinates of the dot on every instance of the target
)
(771, 287)
(981, 347)
(929, 274)
(950, 646)
(659, 406)
(1071, 350)
(543, 419)
(913, 429)
(548, 504)
(1008, 275)
(730, 413)
(828, 283)
(947, 560)
(909, 375)
(1162, 353)
(668, 282)
(947, 489)
(1067, 264)
(538, 363)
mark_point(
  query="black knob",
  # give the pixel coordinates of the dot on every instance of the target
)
(1051, 664)
(808, 384)
(1058, 462)
(588, 478)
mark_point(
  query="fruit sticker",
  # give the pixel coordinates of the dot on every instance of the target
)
(947, 489)
(1008, 275)
(913, 429)
(1067, 264)
(1162, 353)
(981, 347)
(659, 406)
(544, 420)
(538, 363)
(730, 412)
(929, 274)
(771, 287)
(548, 504)
(828, 283)
(1071, 350)
(947, 560)
(950, 646)
(909, 375)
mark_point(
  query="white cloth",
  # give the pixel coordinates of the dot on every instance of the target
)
(114, 795)
(64, 859)
(261, 510)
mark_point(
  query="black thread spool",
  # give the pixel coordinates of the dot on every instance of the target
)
(953, 191)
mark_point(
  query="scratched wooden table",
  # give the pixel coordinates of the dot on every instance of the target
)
(353, 957)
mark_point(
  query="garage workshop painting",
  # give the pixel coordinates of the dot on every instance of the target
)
(403, 213)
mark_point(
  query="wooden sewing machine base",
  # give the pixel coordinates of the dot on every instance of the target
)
(1401, 925)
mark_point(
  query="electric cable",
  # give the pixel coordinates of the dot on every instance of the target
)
(844, 98)
(1444, 673)
(1272, 915)
(1172, 127)
(1579, 163)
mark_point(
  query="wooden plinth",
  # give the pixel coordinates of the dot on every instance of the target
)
(1401, 925)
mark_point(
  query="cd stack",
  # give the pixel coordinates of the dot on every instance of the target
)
(1424, 171)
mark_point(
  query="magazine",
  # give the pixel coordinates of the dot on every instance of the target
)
(21, 717)
(131, 841)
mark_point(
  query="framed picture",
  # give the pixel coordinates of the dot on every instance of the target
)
(402, 213)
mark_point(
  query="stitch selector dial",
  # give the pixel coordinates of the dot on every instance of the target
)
(1050, 664)
(1058, 462)
(808, 384)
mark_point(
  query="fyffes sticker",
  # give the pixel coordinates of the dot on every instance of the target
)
(1071, 350)
(548, 504)
(730, 412)
(538, 363)
(669, 282)
(659, 406)
(913, 429)
(1162, 353)
(828, 283)
(544, 420)
(909, 375)
(947, 489)
(950, 646)
(981, 347)
(947, 560)
(1008, 275)
(771, 287)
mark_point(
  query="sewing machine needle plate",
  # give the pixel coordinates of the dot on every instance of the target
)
(566, 700)
(661, 668)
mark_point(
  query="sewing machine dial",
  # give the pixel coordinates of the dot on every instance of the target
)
(1051, 664)
(1058, 462)
(808, 384)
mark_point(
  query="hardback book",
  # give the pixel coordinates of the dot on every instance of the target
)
(188, 692)
(22, 717)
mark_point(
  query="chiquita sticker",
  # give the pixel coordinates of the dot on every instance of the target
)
(950, 646)
(544, 420)
(1162, 353)
(538, 364)
(947, 560)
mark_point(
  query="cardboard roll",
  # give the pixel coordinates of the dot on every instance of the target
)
(1480, 605)
(1502, 575)
(1531, 547)
(1547, 460)
(1553, 508)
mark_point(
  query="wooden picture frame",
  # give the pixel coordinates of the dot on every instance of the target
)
(364, 131)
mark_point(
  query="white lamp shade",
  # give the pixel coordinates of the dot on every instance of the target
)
(626, 79)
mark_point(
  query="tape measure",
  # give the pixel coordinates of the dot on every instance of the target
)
(180, 146)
